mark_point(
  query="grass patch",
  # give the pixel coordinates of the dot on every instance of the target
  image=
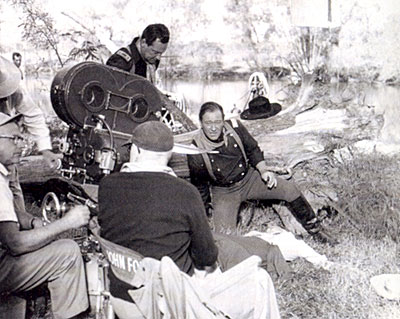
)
(367, 190)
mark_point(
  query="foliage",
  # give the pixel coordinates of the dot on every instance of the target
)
(38, 27)
(88, 51)
(310, 51)
(257, 27)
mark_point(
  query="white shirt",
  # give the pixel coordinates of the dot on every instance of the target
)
(7, 212)
(131, 167)
(33, 118)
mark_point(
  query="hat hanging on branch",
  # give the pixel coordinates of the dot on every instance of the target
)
(260, 108)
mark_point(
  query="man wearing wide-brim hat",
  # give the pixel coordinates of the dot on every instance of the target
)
(15, 100)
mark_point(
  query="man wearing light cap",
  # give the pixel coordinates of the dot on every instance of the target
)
(146, 208)
(30, 255)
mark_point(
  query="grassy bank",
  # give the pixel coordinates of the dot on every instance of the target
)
(367, 228)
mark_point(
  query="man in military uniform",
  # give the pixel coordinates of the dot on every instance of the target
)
(234, 170)
(142, 56)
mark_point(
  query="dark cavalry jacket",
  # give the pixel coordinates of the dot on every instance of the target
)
(128, 57)
(229, 165)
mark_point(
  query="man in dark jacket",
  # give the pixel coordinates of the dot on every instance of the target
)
(142, 56)
(146, 208)
(234, 170)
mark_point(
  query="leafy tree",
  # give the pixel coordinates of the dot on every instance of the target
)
(38, 27)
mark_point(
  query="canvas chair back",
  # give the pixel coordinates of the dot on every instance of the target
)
(124, 262)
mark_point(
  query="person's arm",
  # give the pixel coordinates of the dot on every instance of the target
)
(25, 219)
(33, 119)
(253, 151)
(20, 242)
(203, 250)
(199, 177)
(35, 123)
(256, 156)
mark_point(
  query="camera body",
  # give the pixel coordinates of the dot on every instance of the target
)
(101, 106)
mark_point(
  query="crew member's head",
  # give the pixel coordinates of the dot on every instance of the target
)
(212, 120)
(151, 140)
(17, 58)
(10, 139)
(154, 42)
(10, 78)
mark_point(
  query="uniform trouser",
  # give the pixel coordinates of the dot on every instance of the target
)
(58, 264)
(226, 201)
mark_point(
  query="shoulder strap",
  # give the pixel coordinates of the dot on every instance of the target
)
(237, 139)
(206, 160)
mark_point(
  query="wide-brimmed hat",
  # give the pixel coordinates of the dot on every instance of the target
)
(152, 136)
(4, 118)
(387, 285)
(9, 77)
(260, 108)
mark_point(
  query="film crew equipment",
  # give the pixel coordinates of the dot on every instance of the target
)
(101, 106)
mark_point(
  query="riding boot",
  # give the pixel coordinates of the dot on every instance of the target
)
(305, 215)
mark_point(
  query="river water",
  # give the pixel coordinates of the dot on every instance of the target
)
(234, 94)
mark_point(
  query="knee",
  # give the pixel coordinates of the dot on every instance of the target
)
(291, 190)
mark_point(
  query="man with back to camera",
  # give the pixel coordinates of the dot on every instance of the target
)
(30, 255)
(168, 220)
(143, 55)
(148, 209)
(237, 171)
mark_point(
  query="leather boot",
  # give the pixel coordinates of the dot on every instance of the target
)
(305, 215)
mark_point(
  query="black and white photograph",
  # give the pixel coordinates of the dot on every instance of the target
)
(199, 159)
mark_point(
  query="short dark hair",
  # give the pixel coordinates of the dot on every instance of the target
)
(16, 54)
(154, 32)
(210, 107)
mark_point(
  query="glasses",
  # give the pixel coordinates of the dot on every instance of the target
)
(16, 138)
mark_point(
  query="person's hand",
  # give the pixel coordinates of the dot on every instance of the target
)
(52, 159)
(37, 223)
(94, 226)
(78, 216)
(269, 178)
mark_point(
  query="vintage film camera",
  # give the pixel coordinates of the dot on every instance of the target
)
(101, 106)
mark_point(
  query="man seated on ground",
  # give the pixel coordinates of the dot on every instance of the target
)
(143, 55)
(29, 253)
(146, 208)
(234, 171)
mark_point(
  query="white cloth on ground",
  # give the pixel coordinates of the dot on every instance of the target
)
(291, 247)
